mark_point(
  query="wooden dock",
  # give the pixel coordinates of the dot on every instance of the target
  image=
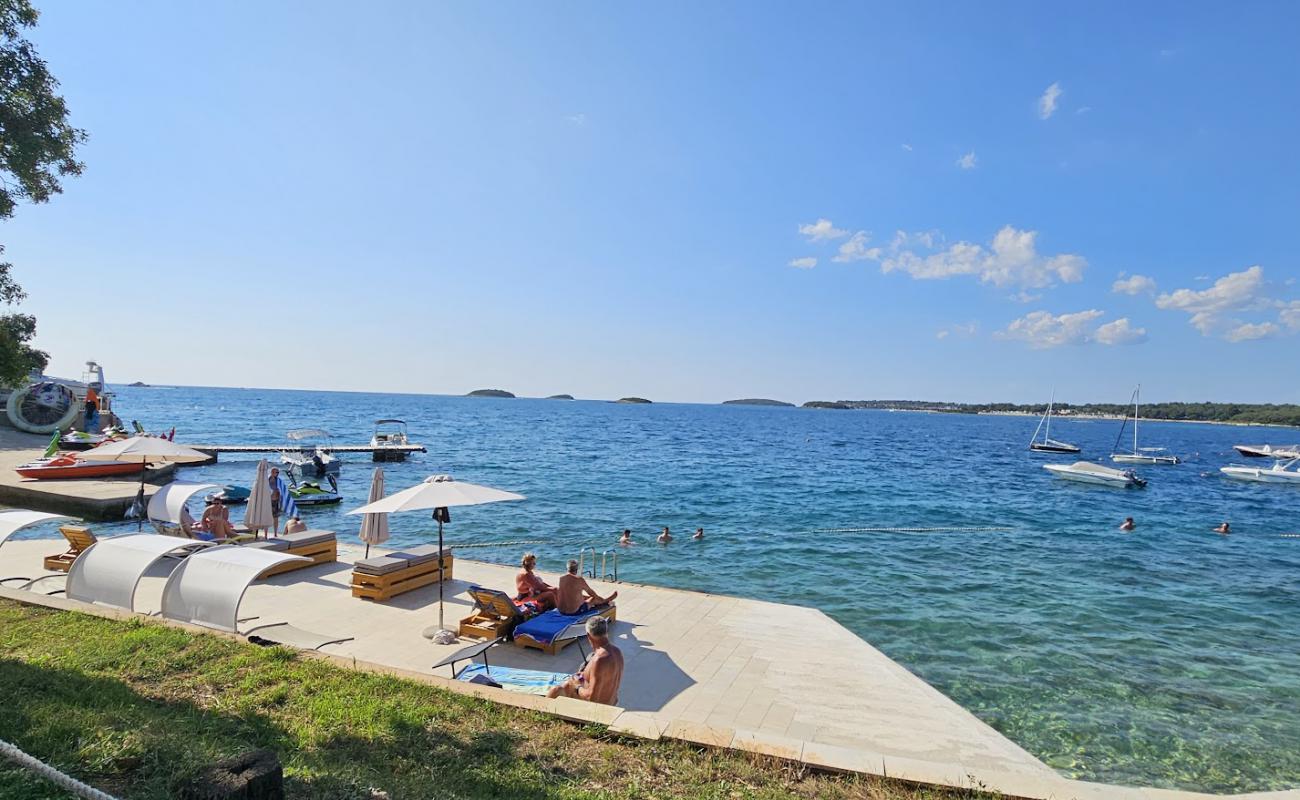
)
(215, 450)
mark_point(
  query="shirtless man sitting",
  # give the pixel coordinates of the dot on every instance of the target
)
(575, 596)
(530, 586)
(600, 677)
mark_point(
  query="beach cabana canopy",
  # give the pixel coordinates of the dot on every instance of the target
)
(207, 587)
(168, 502)
(108, 571)
(15, 520)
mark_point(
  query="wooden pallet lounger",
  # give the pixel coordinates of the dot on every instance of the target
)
(543, 632)
(385, 577)
(320, 546)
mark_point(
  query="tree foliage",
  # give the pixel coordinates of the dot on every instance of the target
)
(37, 149)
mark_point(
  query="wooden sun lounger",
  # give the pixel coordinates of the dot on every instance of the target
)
(384, 577)
(609, 612)
(495, 615)
(79, 540)
(320, 546)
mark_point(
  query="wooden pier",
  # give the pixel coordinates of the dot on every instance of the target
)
(215, 450)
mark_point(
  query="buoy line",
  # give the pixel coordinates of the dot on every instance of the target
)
(974, 529)
(491, 544)
(51, 774)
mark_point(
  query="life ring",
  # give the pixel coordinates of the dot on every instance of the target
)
(43, 408)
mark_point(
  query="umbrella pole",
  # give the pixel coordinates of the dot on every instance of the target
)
(440, 634)
(139, 521)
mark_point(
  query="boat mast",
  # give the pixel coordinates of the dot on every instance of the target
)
(1047, 435)
(1136, 395)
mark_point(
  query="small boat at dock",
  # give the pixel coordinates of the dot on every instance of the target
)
(68, 466)
(389, 441)
(1088, 472)
(1281, 472)
(1268, 451)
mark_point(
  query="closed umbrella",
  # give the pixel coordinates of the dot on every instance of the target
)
(374, 527)
(145, 450)
(438, 492)
(259, 515)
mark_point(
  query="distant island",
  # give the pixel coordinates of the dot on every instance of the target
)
(633, 400)
(490, 393)
(560, 397)
(139, 385)
(1235, 413)
(757, 401)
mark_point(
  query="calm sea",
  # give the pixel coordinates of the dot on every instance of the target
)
(1169, 656)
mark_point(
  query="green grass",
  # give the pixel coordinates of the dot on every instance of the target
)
(137, 708)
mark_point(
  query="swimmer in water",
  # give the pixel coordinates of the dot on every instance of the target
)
(1128, 524)
(626, 538)
(665, 537)
(699, 534)
(1225, 528)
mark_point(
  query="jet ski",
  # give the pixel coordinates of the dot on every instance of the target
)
(311, 493)
(229, 495)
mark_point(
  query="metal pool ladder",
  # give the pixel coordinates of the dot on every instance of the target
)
(608, 560)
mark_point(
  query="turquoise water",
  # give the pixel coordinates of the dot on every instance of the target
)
(1168, 657)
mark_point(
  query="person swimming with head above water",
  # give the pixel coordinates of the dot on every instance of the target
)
(1128, 524)
(665, 537)
(626, 538)
(1224, 528)
(575, 595)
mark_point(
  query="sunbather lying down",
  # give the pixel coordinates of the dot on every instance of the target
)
(575, 596)
(599, 679)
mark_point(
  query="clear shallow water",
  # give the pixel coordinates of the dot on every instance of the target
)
(1169, 656)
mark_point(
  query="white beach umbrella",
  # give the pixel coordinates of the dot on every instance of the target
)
(145, 450)
(374, 527)
(438, 492)
(258, 515)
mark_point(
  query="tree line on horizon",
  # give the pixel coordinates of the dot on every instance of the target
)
(1245, 413)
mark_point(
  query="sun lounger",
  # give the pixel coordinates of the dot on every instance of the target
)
(544, 632)
(283, 633)
(79, 540)
(495, 614)
(385, 577)
(320, 546)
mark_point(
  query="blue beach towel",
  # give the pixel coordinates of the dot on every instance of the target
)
(545, 627)
(527, 681)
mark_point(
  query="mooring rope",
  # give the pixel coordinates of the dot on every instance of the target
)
(51, 774)
(975, 529)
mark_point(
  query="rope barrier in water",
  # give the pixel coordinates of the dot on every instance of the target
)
(51, 774)
(493, 544)
(972, 529)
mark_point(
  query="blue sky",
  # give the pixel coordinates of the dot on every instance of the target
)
(608, 199)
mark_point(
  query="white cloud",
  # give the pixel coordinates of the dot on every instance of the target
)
(576, 119)
(822, 231)
(1249, 331)
(807, 262)
(1047, 103)
(1083, 109)
(1290, 315)
(1120, 332)
(1210, 308)
(1042, 329)
(968, 161)
(855, 249)
(1011, 259)
(907, 147)
(960, 331)
(1133, 284)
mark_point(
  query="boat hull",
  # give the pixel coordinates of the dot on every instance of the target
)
(105, 470)
(1095, 475)
(1266, 451)
(1128, 458)
(1053, 448)
(1258, 475)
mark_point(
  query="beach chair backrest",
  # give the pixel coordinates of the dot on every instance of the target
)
(79, 538)
(495, 601)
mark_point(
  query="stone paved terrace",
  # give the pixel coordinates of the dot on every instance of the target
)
(721, 671)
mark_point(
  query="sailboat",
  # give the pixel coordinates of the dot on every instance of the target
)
(1140, 455)
(1048, 444)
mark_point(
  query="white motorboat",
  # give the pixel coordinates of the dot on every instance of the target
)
(1088, 472)
(1280, 472)
(389, 435)
(1268, 451)
(1139, 455)
(1048, 444)
(312, 457)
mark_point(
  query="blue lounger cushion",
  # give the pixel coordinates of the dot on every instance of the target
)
(545, 627)
(528, 681)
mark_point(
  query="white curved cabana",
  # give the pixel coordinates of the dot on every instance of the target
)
(167, 503)
(207, 589)
(13, 521)
(108, 571)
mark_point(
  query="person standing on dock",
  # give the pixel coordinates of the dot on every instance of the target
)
(277, 500)
(92, 410)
